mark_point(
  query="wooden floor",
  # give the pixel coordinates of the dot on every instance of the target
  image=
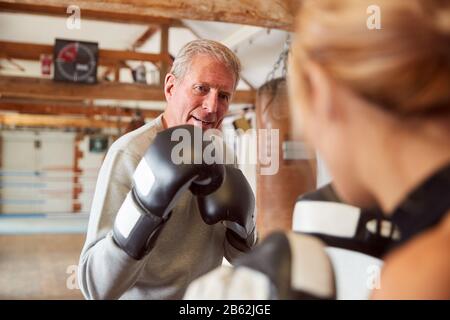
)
(39, 266)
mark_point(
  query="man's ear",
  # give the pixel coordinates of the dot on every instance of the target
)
(169, 84)
(321, 92)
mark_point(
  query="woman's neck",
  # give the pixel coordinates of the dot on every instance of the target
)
(403, 158)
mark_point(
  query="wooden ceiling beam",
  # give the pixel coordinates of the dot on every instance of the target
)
(74, 110)
(58, 9)
(164, 51)
(31, 51)
(27, 120)
(277, 14)
(147, 35)
(39, 88)
(47, 89)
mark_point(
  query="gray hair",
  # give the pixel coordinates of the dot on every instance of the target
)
(208, 47)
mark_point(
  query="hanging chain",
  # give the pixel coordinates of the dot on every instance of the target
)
(282, 59)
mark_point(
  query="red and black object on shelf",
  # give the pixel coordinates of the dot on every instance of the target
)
(75, 61)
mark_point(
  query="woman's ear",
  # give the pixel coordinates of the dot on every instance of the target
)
(321, 92)
(169, 83)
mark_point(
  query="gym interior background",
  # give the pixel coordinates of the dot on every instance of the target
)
(57, 121)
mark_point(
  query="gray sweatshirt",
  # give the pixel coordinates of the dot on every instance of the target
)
(185, 249)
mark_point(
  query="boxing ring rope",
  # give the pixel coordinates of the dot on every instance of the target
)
(46, 191)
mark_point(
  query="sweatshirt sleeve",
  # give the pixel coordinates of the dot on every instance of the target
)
(105, 271)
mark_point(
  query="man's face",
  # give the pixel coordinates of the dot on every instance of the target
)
(202, 96)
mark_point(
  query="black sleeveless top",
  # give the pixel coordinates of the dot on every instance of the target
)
(425, 206)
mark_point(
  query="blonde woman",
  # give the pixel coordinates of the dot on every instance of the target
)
(375, 103)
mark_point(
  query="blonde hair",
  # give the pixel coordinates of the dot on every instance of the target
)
(208, 47)
(404, 66)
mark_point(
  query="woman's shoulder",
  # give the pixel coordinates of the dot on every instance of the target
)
(420, 269)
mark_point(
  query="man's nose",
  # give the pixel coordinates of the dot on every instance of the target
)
(211, 101)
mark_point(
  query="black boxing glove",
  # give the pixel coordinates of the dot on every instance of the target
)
(233, 204)
(158, 181)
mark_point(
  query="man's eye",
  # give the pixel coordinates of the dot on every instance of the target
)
(201, 89)
(224, 97)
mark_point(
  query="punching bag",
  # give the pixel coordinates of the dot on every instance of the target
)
(276, 192)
